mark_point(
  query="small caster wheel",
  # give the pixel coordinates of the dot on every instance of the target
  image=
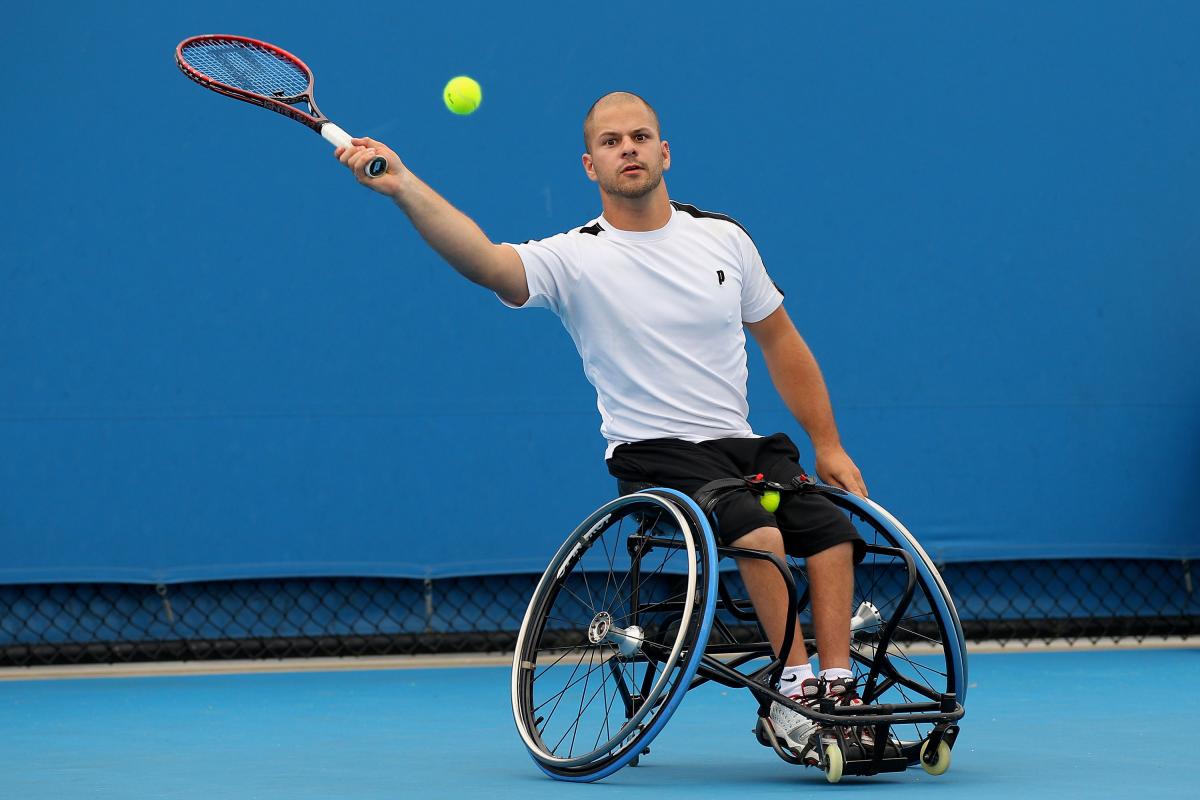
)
(940, 762)
(834, 762)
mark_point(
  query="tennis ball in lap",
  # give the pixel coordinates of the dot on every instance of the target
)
(462, 95)
(770, 501)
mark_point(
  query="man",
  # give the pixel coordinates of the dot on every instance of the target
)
(656, 296)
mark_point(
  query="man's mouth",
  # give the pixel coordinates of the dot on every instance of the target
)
(631, 168)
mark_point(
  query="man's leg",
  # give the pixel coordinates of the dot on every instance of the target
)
(768, 593)
(831, 590)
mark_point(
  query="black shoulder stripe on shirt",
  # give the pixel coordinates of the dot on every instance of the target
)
(594, 230)
(699, 214)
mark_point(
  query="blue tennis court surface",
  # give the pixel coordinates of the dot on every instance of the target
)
(1095, 724)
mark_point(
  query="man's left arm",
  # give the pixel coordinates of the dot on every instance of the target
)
(798, 380)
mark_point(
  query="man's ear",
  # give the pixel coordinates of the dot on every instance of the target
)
(589, 167)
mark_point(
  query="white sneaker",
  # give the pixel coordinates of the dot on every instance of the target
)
(793, 728)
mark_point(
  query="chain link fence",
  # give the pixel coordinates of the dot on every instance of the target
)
(1013, 603)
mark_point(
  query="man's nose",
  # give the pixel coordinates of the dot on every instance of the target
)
(628, 146)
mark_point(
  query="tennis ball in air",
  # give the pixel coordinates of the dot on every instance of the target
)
(770, 501)
(462, 95)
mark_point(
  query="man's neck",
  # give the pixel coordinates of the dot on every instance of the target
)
(648, 213)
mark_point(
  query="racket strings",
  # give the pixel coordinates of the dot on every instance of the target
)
(249, 67)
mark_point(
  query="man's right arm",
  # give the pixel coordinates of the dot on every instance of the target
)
(451, 233)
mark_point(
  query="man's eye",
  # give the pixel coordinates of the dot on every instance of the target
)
(641, 137)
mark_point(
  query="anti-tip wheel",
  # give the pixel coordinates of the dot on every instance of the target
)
(834, 763)
(941, 760)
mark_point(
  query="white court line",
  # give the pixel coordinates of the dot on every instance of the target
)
(454, 660)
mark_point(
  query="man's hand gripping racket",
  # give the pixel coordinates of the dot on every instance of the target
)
(268, 76)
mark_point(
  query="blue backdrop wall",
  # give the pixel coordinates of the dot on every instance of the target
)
(221, 357)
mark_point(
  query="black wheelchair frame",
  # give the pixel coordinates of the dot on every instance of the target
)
(663, 621)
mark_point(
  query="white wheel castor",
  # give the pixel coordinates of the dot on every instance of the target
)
(941, 760)
(834, 762)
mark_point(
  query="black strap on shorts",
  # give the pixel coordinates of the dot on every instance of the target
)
(708, 495)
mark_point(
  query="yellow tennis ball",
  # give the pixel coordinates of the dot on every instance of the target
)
(462, 95)
(770, 501)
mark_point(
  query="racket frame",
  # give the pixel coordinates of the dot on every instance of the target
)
(286, 106)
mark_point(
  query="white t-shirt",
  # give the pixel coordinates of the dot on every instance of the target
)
(657, 319)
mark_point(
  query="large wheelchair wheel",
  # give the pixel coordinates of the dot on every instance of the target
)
(614, 634)
(907, 644)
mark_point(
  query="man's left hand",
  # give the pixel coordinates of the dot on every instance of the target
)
(835, 468)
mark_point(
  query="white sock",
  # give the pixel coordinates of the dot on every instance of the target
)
(789, 683)
(833, 673)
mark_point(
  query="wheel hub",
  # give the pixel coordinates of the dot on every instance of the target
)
(601, 624)
(627, 640)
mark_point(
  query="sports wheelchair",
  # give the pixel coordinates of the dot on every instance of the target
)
(633, 612)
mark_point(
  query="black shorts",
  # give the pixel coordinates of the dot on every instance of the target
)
(809, 522)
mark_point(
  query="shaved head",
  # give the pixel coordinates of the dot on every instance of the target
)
(613, 99)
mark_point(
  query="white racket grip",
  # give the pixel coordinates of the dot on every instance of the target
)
(339, 138)
(335, 135)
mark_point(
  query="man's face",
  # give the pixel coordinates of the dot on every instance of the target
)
(627, 158)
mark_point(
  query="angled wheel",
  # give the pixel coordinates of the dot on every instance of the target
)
(907, 644)
(613, 634)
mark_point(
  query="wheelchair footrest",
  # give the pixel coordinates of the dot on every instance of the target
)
(868, 766)
(861, 760)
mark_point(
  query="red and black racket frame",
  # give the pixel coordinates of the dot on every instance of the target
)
(280, 105)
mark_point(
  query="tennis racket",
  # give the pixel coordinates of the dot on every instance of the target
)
(265, 75)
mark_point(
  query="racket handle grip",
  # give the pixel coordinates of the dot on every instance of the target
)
(339, 138)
